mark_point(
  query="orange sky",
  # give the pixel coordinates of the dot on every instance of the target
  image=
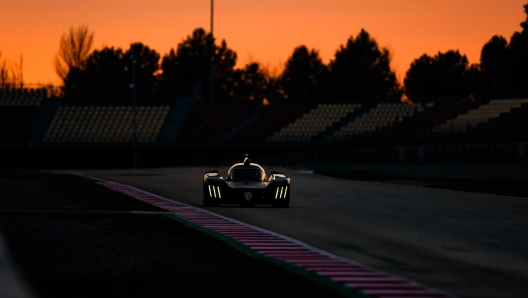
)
(265, 31)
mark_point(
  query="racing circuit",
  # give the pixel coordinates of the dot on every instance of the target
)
(362, 182)
(448, 242)
(461, 243)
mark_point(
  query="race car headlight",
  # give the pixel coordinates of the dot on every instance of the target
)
(215, 192)
(281, 192)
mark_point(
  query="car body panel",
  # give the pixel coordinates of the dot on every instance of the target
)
(257, 185)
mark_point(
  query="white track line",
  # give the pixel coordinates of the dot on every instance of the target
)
(348, 273)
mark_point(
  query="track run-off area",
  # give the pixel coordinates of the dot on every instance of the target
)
(385, 239)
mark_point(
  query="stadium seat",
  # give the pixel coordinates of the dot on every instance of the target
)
(378, 118)
(84, 117)
(314, 122)
(482, 114)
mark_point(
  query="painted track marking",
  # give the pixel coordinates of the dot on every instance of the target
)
(347, 273)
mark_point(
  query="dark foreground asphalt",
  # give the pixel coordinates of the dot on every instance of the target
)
(69, 237)
(463, 242)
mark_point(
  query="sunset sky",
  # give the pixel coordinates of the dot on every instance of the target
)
(262, 31)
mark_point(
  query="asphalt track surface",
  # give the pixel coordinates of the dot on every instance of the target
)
(469, 244)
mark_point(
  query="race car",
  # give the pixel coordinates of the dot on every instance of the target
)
(246, 184)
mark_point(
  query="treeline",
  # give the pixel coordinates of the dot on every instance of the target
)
(360, 70)
(10, 73)
(502, 71)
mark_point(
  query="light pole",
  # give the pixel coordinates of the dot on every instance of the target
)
(211, 57)
(134, 124)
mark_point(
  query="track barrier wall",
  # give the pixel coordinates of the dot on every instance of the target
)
(512, 153)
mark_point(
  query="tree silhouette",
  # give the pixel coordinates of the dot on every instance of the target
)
(361, 70)
(70, 61)
(524, 24)
(305, 76)
(495, 66)
(106, 68)
(5, 73)
(441, 76)
(519, 58)
(189, 65)
(147, 65)
(224, 74)
(477, 84)
(419, 80)
(252, 83)
(10, 73)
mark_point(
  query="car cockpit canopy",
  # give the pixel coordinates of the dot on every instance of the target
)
(246, 171)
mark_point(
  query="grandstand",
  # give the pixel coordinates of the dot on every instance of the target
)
(376, 119)
(270, 120)
(105, 116)
(102, 118)
(22, 97)
(512, 123)
(481, 114)
(105, 124)
(205, 124)
(423, 122)
(314, 122)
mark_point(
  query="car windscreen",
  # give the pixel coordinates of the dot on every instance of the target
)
(246, 174)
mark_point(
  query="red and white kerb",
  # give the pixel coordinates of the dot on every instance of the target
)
(348, 273)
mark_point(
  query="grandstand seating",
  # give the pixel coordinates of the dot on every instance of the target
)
(271, 119)
(431, 116)
(514, 122)
(22, 97)
(103, 124)
(314, 122)
(205, 123)
(105, 116)
(119, 97)
(482, 114)
(376, 119)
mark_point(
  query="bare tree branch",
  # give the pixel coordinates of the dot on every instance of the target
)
(10, 73)
(75, 46)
